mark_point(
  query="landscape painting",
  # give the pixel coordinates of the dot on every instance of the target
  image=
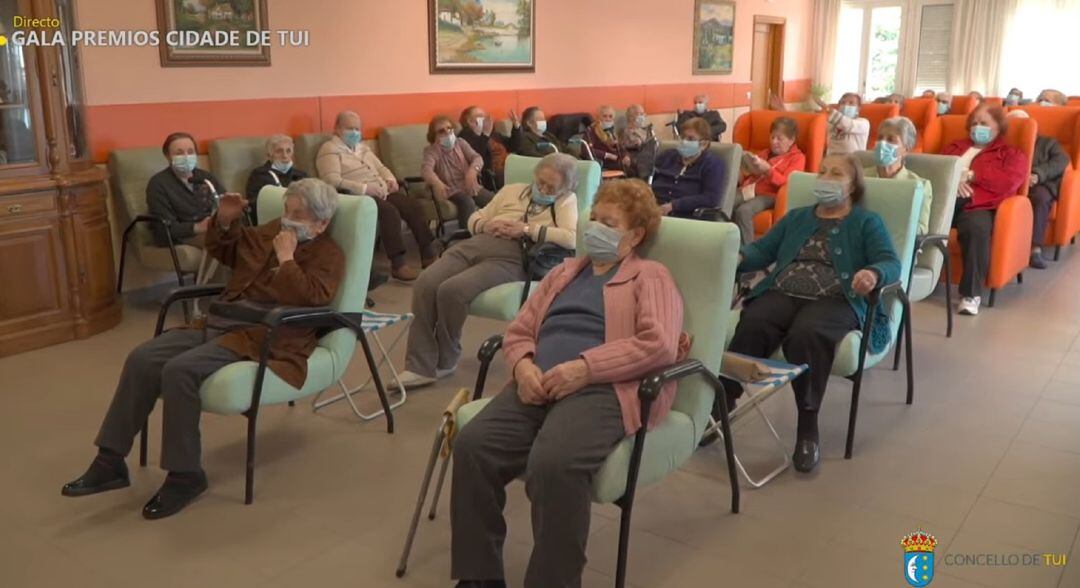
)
(487, 35)
(209, 16)
(714, 36)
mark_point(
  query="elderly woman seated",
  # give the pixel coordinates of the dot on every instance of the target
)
(289, 261)
(1052, 98)
(530, 136)
(520, 215)
(603, 142)
(765, 172)
(848, 132)
(277, 171)
(944, 102)
(577, 351)
(638, 143)
(1015, 97)
(826, 259)
(991, 171)
(977, 96)
(895, 98)
(181, 194)
(452, 169)
(690, 176)
(896, 138)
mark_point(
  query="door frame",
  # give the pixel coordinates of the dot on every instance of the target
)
(778, 31)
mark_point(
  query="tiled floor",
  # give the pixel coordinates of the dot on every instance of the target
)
(987, 459)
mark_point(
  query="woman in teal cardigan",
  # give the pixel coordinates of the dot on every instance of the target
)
(828, 258)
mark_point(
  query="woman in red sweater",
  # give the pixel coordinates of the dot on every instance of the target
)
(765, 172)
(991, 171)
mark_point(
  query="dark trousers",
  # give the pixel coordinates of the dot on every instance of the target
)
(467, 205)
(559, 448)
(172, 366)
(808, 331)
(974, 229)
(396, 207)
(1042, 200)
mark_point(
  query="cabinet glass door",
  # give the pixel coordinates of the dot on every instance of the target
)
(18, 143)
(71, 64)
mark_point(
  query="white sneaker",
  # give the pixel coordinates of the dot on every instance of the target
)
(413, 380)
(441, 374)
(970, 306)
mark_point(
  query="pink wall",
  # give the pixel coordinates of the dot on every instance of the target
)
(380, 47)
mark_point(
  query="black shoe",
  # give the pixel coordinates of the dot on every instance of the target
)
(1036, 261)
(175, 494)
(102, 475)
(807, 455)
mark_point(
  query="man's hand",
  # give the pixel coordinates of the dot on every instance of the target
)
(864, 282)
(514, 118)
(565, 379)
(284, 246)
(666, 209)
(964, 191)
(440, 191)
(530, 388)
(230, 207)
(775, 103)
(201, 226)
(392, 185)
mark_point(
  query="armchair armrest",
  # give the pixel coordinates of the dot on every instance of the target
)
(651, 385)
(413, 180)
(184, 293)
(876, 294)
(458, 235)
(711, 213)
(933, 240)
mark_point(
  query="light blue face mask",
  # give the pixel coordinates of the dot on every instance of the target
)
(688, 148)
(351, 138)
(607, 125)
(602, 242)
(828, 193)
(184, 164)
(448, 141)
(542, 199)
(980, 134)
(303, 232)
(886, 153)
(850, 110)
(541, 126)
(699, 107)
(642, 121)
(1012, 99)
(1045, 103)
(282, 167)
(942, 107)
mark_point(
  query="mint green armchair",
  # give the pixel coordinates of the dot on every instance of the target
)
(684, 247)
(245, 386)
(898, 202)
(401, 148)
(306, 151)
(232, 160)
(503, 301)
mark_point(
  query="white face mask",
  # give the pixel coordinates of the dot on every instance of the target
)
(541, 126)
(478, 125)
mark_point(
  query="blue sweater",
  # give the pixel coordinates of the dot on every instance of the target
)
(701, 185)
(860, 242)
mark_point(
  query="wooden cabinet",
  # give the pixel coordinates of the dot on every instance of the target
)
(56, 265)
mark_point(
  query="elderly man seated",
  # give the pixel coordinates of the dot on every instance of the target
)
(944, 102)
(289, 261)
(277, 171)
(351, 167)
(717, 126)
(638, 142)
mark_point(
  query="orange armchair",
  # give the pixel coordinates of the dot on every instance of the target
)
(1062, 124)
(993, 101)
(876, 114)
(1010, 245)
(923, 113)
(752, 133)
(964, 104)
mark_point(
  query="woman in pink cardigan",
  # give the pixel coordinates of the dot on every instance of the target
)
(578, 349)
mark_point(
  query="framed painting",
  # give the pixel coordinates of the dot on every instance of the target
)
(200, 33)
(714, 36)
(482, 35)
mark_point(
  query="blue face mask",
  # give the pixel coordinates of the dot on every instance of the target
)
(850, 111)
(1012, 99)
(602, 242)
(980, 134)
(184, 164)
(282, 167)
(828, 192)
(1045, 103)
(448, 141)
(688, 148)
(699, 107)
(351, 138)
(642, 121)
(541, 126)
(303, 232)
(886, 153)
(542, 199)
(942, 107)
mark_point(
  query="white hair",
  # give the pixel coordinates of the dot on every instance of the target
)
(900, 125)
(319, 197)
(563, 164)
(275, 140)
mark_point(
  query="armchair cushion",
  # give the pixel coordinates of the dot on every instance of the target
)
(231, 160)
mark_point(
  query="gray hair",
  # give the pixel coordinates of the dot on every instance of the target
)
(563, 164)
(900, 125)
(276, 140)
(343, 116)
(319, 197)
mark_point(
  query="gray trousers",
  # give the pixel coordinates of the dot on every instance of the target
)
(172, 366)
(442, 294)
(559, 448)
(745, 212)
(467, 205)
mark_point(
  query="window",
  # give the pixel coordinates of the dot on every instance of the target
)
(1038, 48)
(868, 48)
(935, 36)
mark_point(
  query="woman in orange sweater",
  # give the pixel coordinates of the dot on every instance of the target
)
(765, 172)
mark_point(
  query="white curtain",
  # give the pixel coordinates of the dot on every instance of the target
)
(823, 41)
(979, 30)
(1038, 48)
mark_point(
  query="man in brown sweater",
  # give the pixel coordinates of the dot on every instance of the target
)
(350, 166)
(288, 261)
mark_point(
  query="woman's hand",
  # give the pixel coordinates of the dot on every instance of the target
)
(512, 229)
(472, 181)
(392, 185)
(230, 207)
(530, 388)
(565, 379)
(864, 282)
(440, 191)
(284, 246)
(201, 226)
(820, 103)
(514, 118)
(375, 191)
(965, 191)
(666, 209)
